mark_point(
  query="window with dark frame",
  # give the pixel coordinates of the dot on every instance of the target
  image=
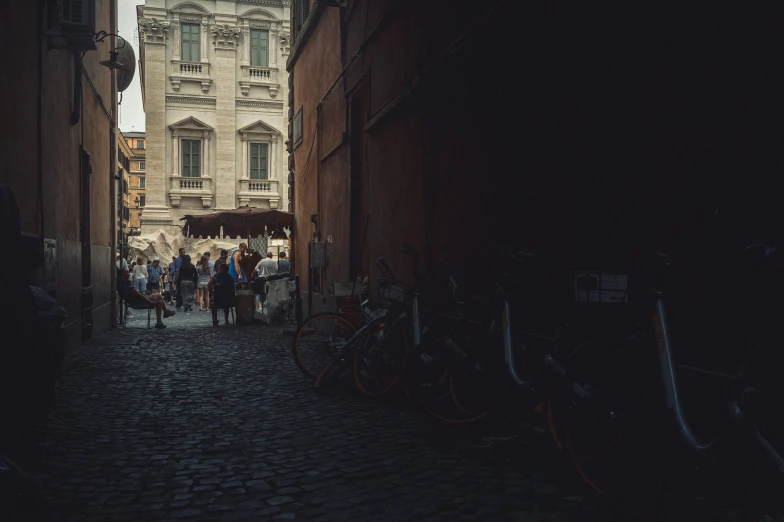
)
(258, 161)
(191, 158)
(142, 200)
(139, 144)
(259, 48)
(142, 183)
(142, 165)
(298, 128)
(190, 42)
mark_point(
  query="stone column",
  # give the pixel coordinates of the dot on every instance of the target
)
(226, 125)
(176, 154)
(205, 35)
(246, 45)
(206, 169)
(274, 158)
(244, 159)
(156, 211)
(176, 52)
(273, 49)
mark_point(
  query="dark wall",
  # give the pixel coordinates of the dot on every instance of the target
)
(591, 136)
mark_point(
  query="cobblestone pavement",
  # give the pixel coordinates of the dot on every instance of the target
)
(202, 423)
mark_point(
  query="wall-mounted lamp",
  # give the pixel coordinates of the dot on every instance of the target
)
(136, 202)
(112, 63)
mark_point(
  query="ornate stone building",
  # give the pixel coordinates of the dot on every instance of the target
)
(214, 90)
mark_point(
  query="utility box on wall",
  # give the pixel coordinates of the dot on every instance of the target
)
(318, 255)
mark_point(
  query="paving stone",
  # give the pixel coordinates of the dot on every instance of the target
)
(202, 423)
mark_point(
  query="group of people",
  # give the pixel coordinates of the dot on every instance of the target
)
(185, 283)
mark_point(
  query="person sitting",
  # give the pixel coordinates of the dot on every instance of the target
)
(223, 286)
(135, 299)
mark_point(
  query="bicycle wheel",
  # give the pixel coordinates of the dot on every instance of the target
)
(456, 392)
(602, 435)
(337, 369)
(318, 340)
(380, 359)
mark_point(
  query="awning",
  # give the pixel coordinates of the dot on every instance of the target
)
(242, 222)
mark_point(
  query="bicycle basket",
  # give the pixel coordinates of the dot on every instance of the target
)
(599, 287)
(389, 292)
(371, 312)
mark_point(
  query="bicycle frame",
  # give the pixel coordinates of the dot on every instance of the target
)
(672, 393)
(668, 371)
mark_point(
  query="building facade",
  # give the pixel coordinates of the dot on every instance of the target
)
(137, 141)
(215, 97)
(124, 201)
(61, 156)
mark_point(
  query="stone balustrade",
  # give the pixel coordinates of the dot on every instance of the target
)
(261, 76)
(190, 188)
(256, 189)
(190, 71)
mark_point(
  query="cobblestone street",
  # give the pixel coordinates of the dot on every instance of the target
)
(202, 423)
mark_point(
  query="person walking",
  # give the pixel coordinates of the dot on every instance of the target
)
(204, 272)
(235, 270)
(188, 277)
(155, 275)
(224, 256)
(265, 268)
(140, 276)
(212, 265)
(167, 287)
(133, 298)
(284, 265)
(121, 263)
(177, 264)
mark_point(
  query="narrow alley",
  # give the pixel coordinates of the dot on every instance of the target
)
(202, 423)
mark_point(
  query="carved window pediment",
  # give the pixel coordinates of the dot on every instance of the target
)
(190, 127)
(258, 130)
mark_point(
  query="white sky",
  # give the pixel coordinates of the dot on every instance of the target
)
(131, 111)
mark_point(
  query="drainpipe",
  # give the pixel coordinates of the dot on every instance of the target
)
(39, 137)
(114, 187)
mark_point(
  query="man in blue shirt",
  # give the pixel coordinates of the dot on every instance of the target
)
(177, 265)
(154, 275)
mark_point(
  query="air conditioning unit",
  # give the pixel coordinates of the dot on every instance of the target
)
(77, 16)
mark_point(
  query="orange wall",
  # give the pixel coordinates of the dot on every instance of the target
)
(321, 59)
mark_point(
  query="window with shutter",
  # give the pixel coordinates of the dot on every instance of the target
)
(191, 162)
(259, 48)
(258, 161)
(190, 43)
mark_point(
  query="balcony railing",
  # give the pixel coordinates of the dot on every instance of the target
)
(191, 184)
(190, 187)
(259, 189)
(197, 69)
(257, 74)
(190, 71)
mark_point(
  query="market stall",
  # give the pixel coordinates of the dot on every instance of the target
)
(250, 223)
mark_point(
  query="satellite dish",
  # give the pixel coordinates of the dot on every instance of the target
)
(127, 57)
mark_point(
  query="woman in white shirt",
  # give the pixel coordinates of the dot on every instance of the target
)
(140, 276)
